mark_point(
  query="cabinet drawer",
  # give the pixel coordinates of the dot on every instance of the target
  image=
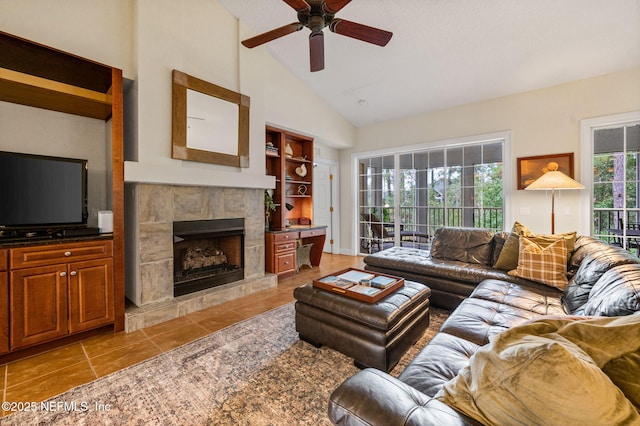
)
(281, 247)
(286, 236)
(45, 255)
(285, 262)
(3, 260)
(312, 233)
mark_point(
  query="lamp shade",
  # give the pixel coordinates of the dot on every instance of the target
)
(554, 180)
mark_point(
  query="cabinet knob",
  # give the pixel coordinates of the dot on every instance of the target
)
(73, 273)
(67, 253)
(63, 274)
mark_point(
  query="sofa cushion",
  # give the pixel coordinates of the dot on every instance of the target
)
(400, 260)
(463, 244)
(584, 246)
(476, 320)
(508, 258)
(546, 265)
(616, 293)
(594, 264)
(525, 295)
(437, 363)
(548, 372)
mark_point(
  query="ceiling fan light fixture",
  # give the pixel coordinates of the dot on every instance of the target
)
(317, 15)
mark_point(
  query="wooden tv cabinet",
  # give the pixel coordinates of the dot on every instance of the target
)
(53, 290)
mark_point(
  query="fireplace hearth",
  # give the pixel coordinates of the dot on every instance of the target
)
(207, 253)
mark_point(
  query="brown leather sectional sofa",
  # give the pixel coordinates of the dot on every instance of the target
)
(603, 281)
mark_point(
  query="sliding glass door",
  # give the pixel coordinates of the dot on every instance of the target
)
(405, 197)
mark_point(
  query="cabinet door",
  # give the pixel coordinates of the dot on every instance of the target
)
(90, 294)
(4, 312)
(38, 305)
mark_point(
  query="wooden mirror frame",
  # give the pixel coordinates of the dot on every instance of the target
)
(180, 150)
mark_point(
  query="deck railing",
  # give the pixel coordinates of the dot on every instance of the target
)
(418, 224)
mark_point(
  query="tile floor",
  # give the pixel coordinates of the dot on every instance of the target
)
(48, 374)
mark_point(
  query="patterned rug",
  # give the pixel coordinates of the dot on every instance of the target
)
(256, 372)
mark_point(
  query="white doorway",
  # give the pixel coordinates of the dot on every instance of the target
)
(325, 194)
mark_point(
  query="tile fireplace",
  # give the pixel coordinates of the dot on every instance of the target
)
(159, 215)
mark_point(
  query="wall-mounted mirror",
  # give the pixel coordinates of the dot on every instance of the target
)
(210, 123)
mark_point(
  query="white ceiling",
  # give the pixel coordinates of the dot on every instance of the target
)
(446, 53)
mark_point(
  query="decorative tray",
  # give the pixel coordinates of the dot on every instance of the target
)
(366, 286)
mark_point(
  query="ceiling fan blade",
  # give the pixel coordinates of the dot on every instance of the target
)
(316, 51)
(360, 32)
(333, 6)
(272, 35)
(298, 5)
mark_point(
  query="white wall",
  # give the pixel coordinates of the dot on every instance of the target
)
(100, 30)
(545, 121)
(149, 38)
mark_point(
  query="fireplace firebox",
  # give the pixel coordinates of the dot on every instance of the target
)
(207, 253)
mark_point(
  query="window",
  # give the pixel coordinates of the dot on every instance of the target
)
(616, 189)
(405, 197)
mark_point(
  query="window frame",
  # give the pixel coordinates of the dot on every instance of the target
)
(588, 127)
(507, 174)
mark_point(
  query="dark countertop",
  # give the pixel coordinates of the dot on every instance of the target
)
(40, 240)
(294, 228)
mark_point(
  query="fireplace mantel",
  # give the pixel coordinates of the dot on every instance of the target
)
(192, 176)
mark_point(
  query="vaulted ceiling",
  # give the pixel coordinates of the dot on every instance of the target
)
(446, 53)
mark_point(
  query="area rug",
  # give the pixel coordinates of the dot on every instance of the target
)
(256, 372)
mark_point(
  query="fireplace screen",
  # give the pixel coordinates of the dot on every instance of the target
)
(207, 253)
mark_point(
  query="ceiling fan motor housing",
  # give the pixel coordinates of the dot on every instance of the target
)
(316, 17)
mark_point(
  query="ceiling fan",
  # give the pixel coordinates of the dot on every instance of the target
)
(316, 15)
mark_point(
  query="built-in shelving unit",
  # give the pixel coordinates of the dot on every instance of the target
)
(43, 77)
(291, 162)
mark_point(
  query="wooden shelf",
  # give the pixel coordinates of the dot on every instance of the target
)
(298, 160)
(25, 89)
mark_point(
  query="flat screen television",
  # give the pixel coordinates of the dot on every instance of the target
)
(39, 191)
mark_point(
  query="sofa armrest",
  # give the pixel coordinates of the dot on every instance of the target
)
(372, 397)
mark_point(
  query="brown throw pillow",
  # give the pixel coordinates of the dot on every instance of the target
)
(508, 258)
(546, 265)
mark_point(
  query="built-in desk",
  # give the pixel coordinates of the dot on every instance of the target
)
(280, 247)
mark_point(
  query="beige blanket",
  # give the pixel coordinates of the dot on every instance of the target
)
(554, 371)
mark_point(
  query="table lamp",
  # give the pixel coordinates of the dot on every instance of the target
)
(553, 180)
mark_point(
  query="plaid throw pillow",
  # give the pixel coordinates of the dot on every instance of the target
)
(546, 265)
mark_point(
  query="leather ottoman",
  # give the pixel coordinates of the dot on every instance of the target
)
(373, 334)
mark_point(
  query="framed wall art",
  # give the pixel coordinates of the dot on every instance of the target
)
(531, 168)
